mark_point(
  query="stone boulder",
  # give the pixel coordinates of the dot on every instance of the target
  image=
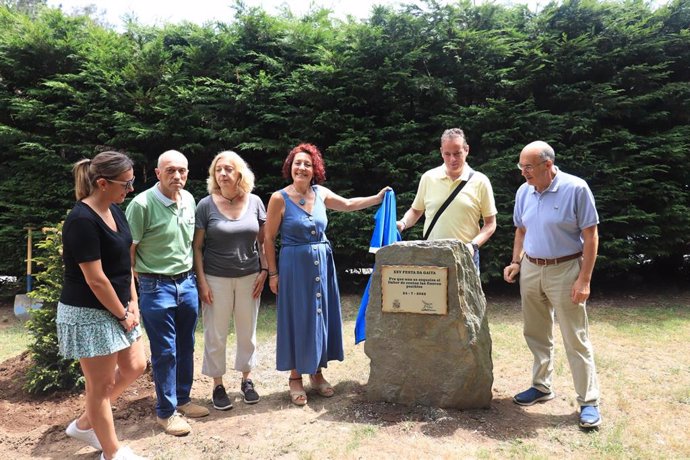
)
(431, 360)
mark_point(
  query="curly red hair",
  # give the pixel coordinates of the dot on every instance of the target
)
(318, 165)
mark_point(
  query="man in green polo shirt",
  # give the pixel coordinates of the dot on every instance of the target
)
(475, 202)
(162, 223)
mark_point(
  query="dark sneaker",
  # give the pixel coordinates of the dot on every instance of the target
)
(589, 417)
(247, 390)
(532, 396)
(220, 398)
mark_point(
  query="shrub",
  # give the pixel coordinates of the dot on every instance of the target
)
(49, 371)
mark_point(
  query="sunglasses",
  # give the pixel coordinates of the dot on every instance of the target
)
(127, 184)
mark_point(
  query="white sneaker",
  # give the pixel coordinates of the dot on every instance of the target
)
(125, 453)
(85, 436)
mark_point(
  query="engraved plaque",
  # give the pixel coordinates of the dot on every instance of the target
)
(414, 289)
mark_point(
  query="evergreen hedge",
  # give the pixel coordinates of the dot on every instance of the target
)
(606, 83)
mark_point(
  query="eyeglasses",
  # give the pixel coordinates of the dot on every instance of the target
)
(529, 168)
(126, 184)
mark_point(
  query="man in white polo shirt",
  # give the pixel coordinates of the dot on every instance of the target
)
(556, 232)
(473, 203)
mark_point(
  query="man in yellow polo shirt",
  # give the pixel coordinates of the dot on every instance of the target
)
(475, 202)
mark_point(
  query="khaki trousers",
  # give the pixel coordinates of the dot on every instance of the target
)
(232, 298)
(545, 290)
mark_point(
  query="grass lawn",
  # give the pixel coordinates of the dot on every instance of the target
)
(14, 339)
(643, 363)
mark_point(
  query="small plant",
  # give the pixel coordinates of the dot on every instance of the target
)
(49, 371)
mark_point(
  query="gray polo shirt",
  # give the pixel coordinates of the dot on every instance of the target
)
(230, 248)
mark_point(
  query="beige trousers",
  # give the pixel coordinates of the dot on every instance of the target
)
(545, 290)
(232, 299)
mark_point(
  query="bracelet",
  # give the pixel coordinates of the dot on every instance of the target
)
(403, 224)
(515, 262)
(124, 318)
(273, 273)
(264, 270)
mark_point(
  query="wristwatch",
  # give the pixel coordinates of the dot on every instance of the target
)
(475, 246)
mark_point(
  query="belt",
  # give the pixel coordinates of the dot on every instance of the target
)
(556, 261)
(179, 276)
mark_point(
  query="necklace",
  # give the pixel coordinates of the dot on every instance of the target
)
(230, 199)
(302, 201)
(105, 215)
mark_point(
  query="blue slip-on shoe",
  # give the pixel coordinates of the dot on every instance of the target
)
(532, 396)
(589, 417)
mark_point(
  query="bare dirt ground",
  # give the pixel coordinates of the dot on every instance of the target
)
(349, 426)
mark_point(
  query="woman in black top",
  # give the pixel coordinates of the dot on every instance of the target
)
(98, 313)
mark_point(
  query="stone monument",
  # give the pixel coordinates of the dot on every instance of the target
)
(442, 359)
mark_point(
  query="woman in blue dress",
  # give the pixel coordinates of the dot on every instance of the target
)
(309, 332)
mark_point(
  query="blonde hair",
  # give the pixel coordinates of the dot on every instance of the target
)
(246, 181)
(106, 165)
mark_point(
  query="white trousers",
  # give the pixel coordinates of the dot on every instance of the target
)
(545, 290)
(232, 298)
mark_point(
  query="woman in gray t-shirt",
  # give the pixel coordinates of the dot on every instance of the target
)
(230, 266)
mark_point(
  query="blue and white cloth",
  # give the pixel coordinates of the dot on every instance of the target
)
(385, 233)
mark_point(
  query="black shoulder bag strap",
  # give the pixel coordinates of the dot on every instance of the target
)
(445, 204)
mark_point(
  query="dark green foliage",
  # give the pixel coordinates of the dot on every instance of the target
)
(606, 83)
(49, 372)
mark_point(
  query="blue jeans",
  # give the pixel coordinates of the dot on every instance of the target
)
(169, 310)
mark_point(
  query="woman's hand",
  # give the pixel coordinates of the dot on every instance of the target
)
(128, 323)
(382, 193)
(273, 284)
(204, 291)
(259, 283)
(133, 308)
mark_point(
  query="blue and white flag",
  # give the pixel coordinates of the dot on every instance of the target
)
(385, 233)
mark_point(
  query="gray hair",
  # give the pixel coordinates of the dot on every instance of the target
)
(453, 133)
(546, 152)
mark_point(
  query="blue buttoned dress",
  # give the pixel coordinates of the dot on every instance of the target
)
(309, 318)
